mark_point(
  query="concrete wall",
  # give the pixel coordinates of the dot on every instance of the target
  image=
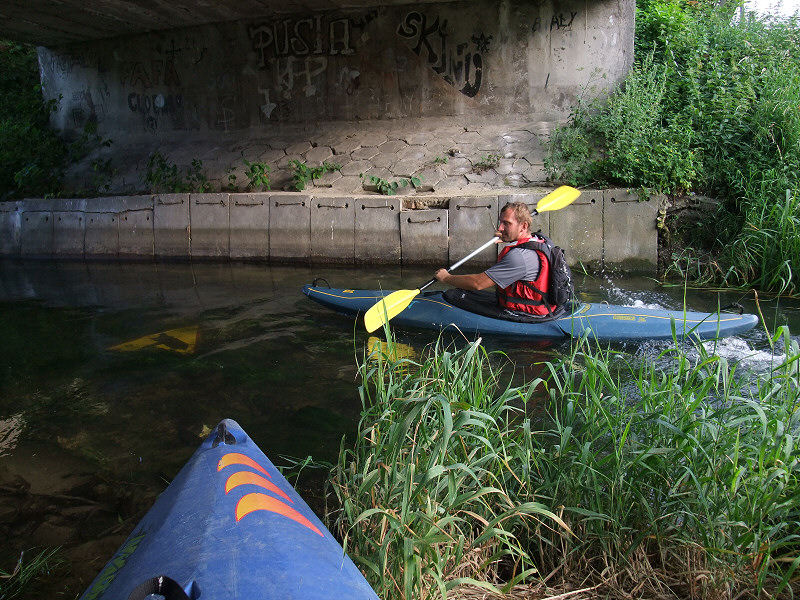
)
(602, 229)
(474, 59)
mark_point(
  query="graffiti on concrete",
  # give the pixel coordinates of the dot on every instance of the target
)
(312, 36)
(84, 110)
(460, 65)
(158, 72)
(557, 21)
(297, 52)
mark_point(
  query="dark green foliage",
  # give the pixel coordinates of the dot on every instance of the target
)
(712, 105)
(31, 154)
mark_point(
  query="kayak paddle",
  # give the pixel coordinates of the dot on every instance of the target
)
(392, 305)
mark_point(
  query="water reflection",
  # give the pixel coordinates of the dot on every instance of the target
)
(112, 372)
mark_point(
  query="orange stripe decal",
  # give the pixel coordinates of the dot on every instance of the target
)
(246, 477)
(234, 458)
(253, 502)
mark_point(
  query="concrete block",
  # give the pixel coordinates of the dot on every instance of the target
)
(171, 225)
(631, 236)
(424, 236)
(333, 229)
(10, 228)
(249, 219)
(539, 221)
(472, 221)
(209, 218)
(101, 228)
(578, 229)
(378, 238)
(36, 229)
(290, 227)
(136, 220)
(69, 225)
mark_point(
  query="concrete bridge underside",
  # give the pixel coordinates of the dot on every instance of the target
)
(53, 23)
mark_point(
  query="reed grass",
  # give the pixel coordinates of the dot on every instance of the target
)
(675, 477)
(28, 571)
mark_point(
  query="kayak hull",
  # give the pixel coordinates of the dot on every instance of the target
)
(230, 526)
(603, 322)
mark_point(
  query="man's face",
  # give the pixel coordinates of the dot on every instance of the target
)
(509, 228)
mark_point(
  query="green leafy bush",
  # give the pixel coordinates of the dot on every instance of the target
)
(162, 176)
(711, 105)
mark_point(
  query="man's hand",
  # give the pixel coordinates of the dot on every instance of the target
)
(441, 274)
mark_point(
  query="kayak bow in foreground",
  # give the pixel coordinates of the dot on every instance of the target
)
(603, 322)
(230, 526)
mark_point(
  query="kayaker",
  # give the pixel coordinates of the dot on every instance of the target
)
(514, 271)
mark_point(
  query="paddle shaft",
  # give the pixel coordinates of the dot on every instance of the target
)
(491, 242)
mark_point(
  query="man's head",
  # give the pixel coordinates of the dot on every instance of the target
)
(515, 222)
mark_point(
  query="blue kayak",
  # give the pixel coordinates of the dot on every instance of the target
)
(230, 526)
(603, 322)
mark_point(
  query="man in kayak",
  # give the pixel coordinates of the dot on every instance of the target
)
(520, 274)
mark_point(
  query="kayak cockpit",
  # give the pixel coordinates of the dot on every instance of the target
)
(484, 303)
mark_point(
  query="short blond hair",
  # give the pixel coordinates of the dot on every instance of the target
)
(521, 212)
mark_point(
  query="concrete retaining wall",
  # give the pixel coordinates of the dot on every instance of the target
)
(604, 228)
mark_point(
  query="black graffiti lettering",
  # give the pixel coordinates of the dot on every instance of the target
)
(409, 29)
(454, 67)
(559, 21)
(537, 24)
(139, 75)
(471, 89)
(171, 74)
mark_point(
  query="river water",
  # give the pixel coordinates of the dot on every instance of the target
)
(112, 373)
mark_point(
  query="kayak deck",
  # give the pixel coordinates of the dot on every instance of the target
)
(230, 526)
(603, 322)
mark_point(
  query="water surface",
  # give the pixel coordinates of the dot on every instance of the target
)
(112, 373)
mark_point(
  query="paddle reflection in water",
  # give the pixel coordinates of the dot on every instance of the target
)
(112, 374)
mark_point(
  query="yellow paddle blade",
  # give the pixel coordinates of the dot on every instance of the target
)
(388, 308)
(558, 198)
(182, 341)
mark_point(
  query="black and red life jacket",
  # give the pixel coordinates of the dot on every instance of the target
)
(550, 289)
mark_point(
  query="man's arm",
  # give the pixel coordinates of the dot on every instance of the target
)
(472, 282)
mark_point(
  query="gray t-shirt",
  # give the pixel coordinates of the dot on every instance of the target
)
(519, 264)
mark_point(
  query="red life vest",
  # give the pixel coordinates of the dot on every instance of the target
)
(527, 296)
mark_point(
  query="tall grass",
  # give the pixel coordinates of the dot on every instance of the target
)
(674, 476)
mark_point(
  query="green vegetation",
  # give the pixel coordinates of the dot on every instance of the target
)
(302, 173)
(486, 162)
(388, 188)
(161, 176)
(676, 477)
(28, 573)
(33, 157)
(258, 175)
(710, 106)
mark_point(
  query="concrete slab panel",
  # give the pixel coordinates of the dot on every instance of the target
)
(377, 240)
(209, 216)
(290, 227)
(10, 228)
(101, 230)
(578, 229)
(69, 228)
(136, 220)
(170, 225)
(249, 226)
(36, 229)
(472, 222)
(424, 236)
(333, 229)
(631, 236)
